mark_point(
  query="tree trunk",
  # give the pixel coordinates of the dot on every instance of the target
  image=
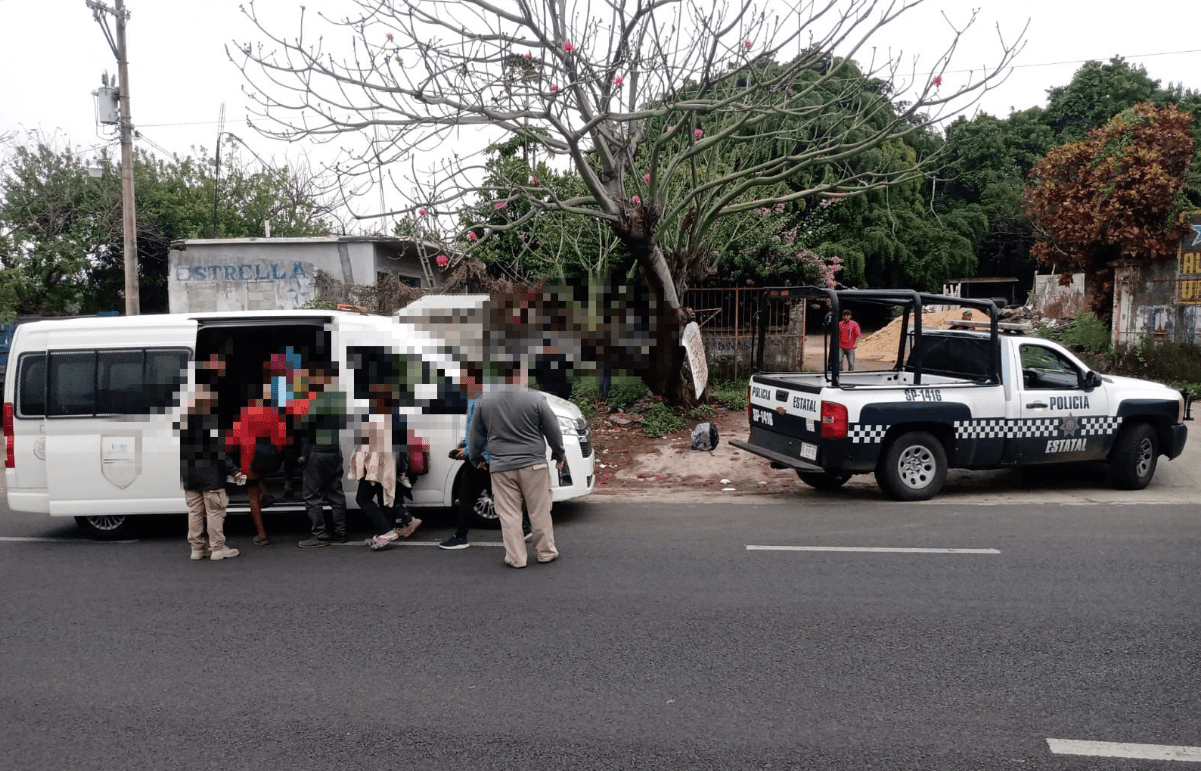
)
(665, 370)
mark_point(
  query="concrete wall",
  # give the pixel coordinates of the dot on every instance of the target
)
(1146, 305)
(270, 273)
(1060, 302)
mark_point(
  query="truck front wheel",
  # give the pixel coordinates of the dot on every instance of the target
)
(913, 467)
(827, 481)
(1134, 456)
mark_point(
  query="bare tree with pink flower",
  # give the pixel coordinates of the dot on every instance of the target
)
(674, 115)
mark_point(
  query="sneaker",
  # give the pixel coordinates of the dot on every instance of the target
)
(527, 534)
(382, 541)
(199, 554)
(408, 528)
(454, 542)
(312, 543)
(224, 553)
(261, 540)
(548, 559)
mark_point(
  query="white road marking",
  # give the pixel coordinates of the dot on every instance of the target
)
(1121, 750)
(34, 539)
(878, 549)
(435, 543)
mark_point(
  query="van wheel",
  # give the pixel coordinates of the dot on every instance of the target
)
(106, 528)
(1134, 457)
(827, 481)
(483, 510)
(913, 467)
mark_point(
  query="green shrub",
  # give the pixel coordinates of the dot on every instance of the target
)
(702, 412)
(624, 393)
(1087, 333)
(1177, 364)
(730, 393)
(658, 419)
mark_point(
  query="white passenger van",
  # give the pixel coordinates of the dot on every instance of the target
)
(91, 405)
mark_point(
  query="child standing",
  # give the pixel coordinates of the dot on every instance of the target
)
(848, 336)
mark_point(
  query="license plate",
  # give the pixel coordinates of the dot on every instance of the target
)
(808, 451)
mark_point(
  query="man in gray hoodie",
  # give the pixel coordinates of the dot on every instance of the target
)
(516, 425)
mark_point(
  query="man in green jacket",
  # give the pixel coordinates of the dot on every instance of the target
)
(321, 456)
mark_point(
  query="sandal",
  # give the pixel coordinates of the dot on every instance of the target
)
(261, 540)
(381, 541)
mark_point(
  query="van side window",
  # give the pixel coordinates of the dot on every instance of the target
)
(165, 372)
(31, 386)
(119, 382)
(112, 382)
(72, 383)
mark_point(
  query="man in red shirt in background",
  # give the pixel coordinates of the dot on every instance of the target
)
(848, 335)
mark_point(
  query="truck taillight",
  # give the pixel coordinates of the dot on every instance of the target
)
(748, 403)
(10, 456)
(834, 421)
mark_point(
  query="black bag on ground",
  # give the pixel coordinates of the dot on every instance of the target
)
(704, 437)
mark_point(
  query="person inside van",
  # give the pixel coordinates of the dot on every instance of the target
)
(289, 380)
(204, 467)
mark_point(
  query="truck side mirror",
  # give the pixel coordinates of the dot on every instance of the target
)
(1091, 380)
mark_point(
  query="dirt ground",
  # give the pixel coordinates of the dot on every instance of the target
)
(630, 464)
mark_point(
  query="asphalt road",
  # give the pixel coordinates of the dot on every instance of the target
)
(658, 641)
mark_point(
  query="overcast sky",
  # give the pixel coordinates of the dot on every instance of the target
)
(52, 54)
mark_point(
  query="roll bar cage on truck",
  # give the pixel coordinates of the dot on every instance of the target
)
(954, 398)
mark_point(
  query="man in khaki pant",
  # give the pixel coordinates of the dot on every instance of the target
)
(204, 467)
(516, 425)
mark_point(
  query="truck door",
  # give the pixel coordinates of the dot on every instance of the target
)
(111, 443)
(1060, 420)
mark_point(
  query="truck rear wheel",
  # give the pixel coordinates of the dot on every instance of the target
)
(1134, 457)
(827, 481)
(913, 467)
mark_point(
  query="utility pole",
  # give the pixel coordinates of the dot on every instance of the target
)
(128, 214)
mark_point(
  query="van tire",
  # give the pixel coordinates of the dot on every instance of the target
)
(826, 481)
(1134, 457)
(913, 467)
(483, 510)
(111, 527)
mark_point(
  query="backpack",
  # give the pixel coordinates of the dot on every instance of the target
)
(704, 437)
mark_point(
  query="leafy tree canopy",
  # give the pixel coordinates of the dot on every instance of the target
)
(1115, 195)
(61, 248)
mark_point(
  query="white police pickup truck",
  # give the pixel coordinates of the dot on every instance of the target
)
(954, 399)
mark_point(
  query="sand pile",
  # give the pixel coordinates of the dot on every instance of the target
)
(882, 344)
